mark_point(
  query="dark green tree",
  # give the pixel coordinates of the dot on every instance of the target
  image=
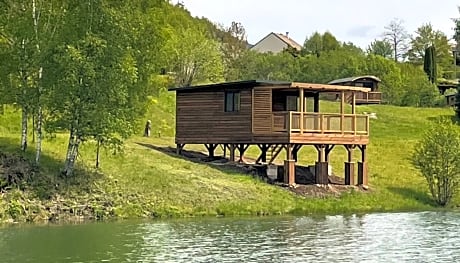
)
(429, 65)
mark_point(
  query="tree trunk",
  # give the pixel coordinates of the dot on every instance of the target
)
(38, 149)
(24, 129)
(72, 153)
(97, 153)
(33, 127)
(39, 91)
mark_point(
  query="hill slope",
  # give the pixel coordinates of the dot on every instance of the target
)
(144, 182)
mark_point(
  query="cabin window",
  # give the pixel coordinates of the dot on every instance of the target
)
(232, 101)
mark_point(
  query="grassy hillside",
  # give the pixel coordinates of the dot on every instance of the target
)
(144, 182)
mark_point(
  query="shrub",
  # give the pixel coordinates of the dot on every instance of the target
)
(436, 156)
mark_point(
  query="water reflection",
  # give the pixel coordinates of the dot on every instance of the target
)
(396, 237)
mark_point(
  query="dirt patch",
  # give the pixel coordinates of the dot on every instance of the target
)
(322, 191)
(15, 171)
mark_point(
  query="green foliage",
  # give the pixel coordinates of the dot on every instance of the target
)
(417, 90)
(318, 43)
(457, 103)
(425, 37)
(196, 58)
(430, 64)
(267, 66)
(436, 157)
(381, 48)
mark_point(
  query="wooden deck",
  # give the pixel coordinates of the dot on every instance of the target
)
(371, 97)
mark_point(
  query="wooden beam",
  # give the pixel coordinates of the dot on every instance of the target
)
(295, 151)
(252, 111)
(232, 152)
(242, 149)
(179, 148)
(321, 152)
(327, 87)
(328, 150)
(349, 149)
(302, 108)
(353, 103)
(263, 155)
(363, 152)
(342, 111)
(277, 151)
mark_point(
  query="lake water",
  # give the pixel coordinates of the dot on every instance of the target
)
(392, 237)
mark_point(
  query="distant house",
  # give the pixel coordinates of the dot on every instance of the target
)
(370, 82)
(275, 42)
(451, 99)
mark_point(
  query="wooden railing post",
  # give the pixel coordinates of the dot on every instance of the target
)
(367, 125)
(321, 122)
(354, 124)
(342, 111)
(289, 122)
(302, 107)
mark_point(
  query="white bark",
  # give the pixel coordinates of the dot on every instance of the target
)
(38, 148)
(72, 153)
(24, 129)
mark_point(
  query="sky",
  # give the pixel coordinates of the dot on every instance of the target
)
(357, 21)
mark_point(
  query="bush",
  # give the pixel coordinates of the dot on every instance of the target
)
(436, 156)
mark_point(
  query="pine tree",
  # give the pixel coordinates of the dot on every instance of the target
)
(429, 65)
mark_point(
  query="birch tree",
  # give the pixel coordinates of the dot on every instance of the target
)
(92, 86)
(28, 28)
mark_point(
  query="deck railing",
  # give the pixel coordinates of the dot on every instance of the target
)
(322, 123)
(371, 96)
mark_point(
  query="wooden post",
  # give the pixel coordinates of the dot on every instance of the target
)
(321, 170)
(179, 147)
(349, 166)
(328, 150)
(353, 103)
(263, 153)
(232, 153)
(296, 150)
(242, 149)
(321, 166)
(301, 109)
(321, 152)
(211, 148)
(342, 111)
(289, 166)
(289, 125)
(362, 167)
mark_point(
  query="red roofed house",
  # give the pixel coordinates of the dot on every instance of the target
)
(276, 43)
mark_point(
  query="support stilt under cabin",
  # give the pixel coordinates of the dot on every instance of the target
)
(274, 116)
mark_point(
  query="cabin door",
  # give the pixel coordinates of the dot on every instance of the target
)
(292, 103)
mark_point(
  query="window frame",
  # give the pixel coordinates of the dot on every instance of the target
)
(235, 97)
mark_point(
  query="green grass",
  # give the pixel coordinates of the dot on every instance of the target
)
(144, 182)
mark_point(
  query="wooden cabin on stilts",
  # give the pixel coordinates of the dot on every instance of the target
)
(274, 117)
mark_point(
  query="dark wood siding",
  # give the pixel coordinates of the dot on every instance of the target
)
(201, 118)
(262, 113)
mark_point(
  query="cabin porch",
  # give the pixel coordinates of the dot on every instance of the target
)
(296, 114)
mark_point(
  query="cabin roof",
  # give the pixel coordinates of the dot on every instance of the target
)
(249, 84)
(351, 79)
